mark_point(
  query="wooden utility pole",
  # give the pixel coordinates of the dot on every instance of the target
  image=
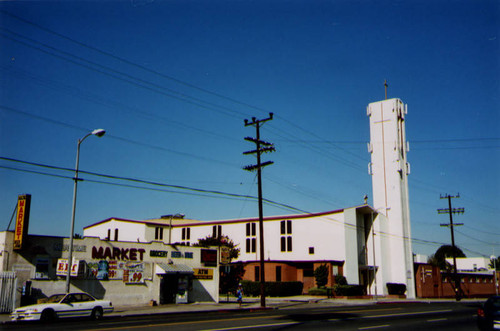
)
(452, 211)
(261, 147)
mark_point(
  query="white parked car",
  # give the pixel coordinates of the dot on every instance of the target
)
(62, 306)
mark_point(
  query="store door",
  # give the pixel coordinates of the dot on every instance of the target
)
(168, 288)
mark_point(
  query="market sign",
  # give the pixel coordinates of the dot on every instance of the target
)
(203, 273)
(22, 220)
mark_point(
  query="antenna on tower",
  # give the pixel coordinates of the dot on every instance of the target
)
(386, 86)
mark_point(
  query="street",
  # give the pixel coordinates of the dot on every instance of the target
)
(300, 316)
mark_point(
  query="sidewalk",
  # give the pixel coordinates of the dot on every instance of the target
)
(253, 304)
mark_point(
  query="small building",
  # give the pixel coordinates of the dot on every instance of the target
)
(431, 282)
(125, 272)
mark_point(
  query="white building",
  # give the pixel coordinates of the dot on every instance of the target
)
(358, 242)
(471, 263)
(389, 168)
(294, 246)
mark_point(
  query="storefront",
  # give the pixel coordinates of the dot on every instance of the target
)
(123, 272)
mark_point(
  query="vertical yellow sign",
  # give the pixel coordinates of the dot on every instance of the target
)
(22, 220)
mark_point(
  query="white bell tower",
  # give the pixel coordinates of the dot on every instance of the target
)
(389, 169)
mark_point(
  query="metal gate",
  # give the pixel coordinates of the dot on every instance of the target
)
(8, 285)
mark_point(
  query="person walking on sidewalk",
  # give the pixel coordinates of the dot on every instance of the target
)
(239, 294)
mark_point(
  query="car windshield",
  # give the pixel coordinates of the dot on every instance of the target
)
(55, 298)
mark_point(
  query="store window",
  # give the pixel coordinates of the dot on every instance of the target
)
(186, 236)
(158, 233)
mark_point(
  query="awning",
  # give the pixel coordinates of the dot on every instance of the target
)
(164, 268)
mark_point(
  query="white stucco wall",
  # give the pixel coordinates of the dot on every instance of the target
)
(389, 169)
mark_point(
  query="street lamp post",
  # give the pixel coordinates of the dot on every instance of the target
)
(98, 133)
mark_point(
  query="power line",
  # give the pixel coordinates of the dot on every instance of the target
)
(184, 97)
(123, 60)
(235, 197)
(136, 180)
(130, 141)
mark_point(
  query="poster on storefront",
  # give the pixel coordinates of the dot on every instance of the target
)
(106, 270)
(133, 273)
(77, 268)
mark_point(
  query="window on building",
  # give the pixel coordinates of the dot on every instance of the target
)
(109, 235)
(257, 273)
(278, 273)
(217, 231)
(186, 233)
(311, 250)
(251, 238)
(158, 233)
(286, 238)
(116, 234)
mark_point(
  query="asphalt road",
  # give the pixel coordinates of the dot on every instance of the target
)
(408, 316)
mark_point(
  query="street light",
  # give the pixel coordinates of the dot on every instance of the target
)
(99, 133)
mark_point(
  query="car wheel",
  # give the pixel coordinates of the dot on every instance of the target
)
(96, 313)
(48, 315)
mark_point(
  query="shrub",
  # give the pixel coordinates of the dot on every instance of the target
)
(340, 280)
(348, 290)
(396, 288)
(273, 289)
(321, 275)
(327, 291)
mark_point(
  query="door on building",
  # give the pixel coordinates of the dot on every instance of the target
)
(168, 288)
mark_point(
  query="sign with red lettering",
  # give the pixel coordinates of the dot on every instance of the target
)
(62, 267)
(133, 273)
(209, 257)
(22, 220)
(116, 253)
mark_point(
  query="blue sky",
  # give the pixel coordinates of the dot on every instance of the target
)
(172, 82)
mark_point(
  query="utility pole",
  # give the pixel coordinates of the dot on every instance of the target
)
(261, 147)
(452, 211)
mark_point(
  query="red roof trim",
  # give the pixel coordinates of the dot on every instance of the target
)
(241, 220)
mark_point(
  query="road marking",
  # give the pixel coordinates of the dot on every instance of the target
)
(374, 327)
(253, 326)
(410, 314)
(173, 323)
(437, 320)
